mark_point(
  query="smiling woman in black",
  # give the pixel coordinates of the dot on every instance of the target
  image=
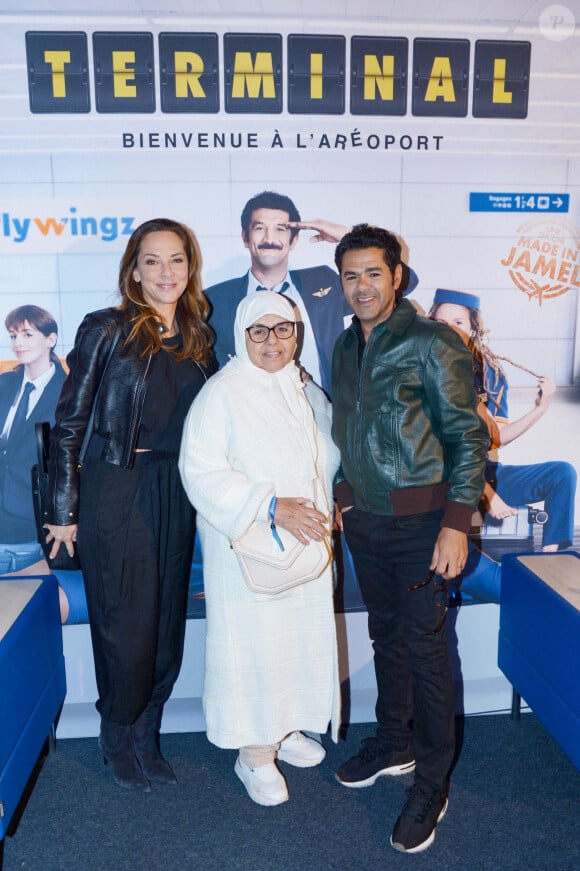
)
(134, 371)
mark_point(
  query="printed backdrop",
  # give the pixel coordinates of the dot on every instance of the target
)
(462, 136)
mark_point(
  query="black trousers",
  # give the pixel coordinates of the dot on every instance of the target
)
(414, 683)
(135, 540)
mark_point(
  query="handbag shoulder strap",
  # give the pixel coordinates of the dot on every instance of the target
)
(42, 433)
(91, 421)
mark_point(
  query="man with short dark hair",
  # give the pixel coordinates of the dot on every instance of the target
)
(413, 454)
(270, 226)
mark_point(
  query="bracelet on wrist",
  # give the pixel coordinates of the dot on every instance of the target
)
(272, 513)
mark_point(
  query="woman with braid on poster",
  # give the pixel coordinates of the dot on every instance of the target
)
(509, 486)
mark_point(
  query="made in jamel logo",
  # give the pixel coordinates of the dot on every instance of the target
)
(545, 261)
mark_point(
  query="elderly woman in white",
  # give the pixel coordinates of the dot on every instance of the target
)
(256, 431)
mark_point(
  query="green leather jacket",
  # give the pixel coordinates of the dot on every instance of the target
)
(405, 419)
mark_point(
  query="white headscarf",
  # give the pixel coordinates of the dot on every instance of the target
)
(253, 306)
(290, 387)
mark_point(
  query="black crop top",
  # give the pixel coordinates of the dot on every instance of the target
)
(171, 388)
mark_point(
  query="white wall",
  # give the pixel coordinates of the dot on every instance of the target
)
(472, 631)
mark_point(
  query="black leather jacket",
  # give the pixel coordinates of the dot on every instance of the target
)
(405, 419)
(118, 408)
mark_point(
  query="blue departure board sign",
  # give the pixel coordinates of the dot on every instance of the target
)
(520, 202)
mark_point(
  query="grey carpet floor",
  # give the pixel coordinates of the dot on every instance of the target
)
(514, 804)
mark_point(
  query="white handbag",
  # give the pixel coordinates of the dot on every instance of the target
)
(269, 569)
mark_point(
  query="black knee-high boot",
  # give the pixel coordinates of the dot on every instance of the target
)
(116, 743)
(146, 742)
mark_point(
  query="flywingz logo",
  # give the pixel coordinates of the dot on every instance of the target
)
(52, 228)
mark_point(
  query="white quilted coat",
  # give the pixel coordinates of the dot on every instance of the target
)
(271, 661)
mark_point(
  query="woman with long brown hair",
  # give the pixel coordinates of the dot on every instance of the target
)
(134, 372)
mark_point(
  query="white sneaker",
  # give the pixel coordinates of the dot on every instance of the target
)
(299, 750)
(265, 785)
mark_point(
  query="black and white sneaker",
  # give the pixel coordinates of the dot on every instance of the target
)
(414, 830)
(372, 762)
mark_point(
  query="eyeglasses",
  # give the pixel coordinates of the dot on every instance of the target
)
(259, 333)
(440, 597)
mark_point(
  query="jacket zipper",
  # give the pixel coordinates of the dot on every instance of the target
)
(359, 392)
(133, 430)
